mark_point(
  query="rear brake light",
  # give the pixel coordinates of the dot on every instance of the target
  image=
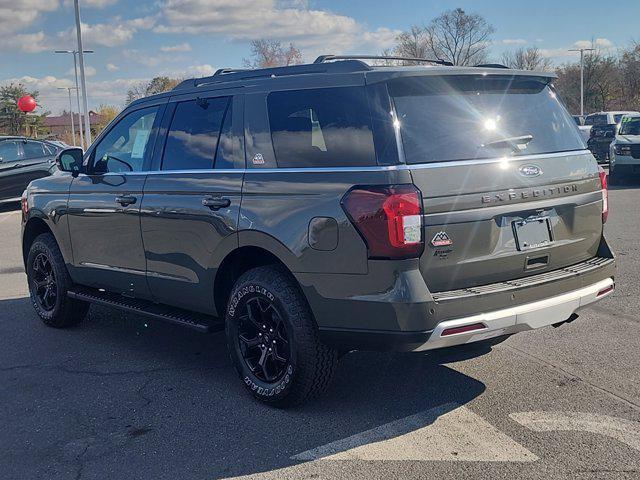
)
(389, 219)
(463, 329)
(605, 194)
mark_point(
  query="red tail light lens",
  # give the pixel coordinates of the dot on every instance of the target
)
(605, 194)
(389, 219)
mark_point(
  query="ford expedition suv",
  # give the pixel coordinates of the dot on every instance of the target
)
(317, 209)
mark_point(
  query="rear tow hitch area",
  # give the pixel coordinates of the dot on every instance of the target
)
(568, 320)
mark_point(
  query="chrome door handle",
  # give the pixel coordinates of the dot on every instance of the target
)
(125, 200)
(216, 203)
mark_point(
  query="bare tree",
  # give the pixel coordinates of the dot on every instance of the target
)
(270, 53)
(459, 37)
(135, 92)
(526, 59)
(601, 83)
(413, 43)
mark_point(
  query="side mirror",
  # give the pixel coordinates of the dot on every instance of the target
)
(70, 160)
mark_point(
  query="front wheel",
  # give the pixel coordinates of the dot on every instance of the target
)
(49, 283)
(273, 341)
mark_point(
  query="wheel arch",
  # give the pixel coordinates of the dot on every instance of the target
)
(236, 263)
(34, 227)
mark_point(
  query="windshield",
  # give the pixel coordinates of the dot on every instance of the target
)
(469, 117)
(596, 120)
(630, 126)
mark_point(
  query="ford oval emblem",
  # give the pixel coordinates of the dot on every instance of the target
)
(530, 170)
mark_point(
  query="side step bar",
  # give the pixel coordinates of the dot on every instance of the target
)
(195, 321)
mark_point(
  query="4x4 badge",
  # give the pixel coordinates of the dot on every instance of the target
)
(441, 239)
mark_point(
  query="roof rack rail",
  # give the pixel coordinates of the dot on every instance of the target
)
(491, 65)
(328, 58)
(230, 75)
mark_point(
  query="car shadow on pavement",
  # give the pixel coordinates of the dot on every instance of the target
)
(123, 395)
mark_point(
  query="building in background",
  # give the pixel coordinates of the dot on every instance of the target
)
(59, 127)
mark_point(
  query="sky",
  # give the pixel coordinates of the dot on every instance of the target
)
(137, 40)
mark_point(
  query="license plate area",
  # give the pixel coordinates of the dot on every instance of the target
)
(532, 232)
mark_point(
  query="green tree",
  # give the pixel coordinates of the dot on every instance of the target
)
(12, 120)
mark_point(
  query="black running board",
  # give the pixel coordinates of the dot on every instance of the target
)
(195, 321)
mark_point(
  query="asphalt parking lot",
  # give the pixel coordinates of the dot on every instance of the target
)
(121, 397)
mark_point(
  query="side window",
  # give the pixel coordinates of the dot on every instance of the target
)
(9, 151)
(193, 136)
(127, 144)
(328, 127)
(33, 149)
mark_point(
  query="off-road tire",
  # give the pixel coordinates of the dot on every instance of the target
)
(311, 364)
(65, 312)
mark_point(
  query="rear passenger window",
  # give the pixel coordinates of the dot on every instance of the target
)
(193, 136)
(33, 149)
(329, 127)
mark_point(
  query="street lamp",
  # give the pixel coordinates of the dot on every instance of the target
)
(581, 50)
(75, 68)
(73, 130)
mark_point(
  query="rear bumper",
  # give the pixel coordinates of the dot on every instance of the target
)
(405, 316)
(517, 319)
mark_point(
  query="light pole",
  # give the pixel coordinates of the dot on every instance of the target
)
(582, 50)
(75, 68)
(73, 130)
(83, 82)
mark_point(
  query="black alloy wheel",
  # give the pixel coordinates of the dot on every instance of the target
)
(264, 342)
(43, 282)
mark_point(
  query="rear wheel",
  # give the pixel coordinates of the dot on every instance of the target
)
(273, 341)
(49, 283)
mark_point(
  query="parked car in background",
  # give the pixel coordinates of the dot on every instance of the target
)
(585, 130)
(22, 160)
(604, 126)
(625, 150)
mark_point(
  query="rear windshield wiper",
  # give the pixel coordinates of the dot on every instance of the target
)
(515, 143)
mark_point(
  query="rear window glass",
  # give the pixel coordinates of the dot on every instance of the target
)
(596, 120)
(33, 149)
(329, 127)
(630, 126)
(470, 117)
(193, 136)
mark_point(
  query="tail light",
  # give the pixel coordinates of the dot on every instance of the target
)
(605, 194)
(389, 219)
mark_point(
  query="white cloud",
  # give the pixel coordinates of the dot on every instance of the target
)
(182, 47)
(204, 70)
(112, 92)
(514, 41)
(311, 30)
(602, 43)
(88, 71)
(114, 34)
(92, 3)
(26, 42)
(16, 15)
(111, 67)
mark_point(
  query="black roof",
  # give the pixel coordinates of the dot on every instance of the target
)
(337, 64)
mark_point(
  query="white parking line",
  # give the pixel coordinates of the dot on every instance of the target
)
(448, 432)
(620, 429)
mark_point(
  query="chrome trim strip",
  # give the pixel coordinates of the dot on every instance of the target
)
(375, 168)
(100, 266)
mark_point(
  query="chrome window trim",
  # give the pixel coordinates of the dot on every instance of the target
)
(375, 168)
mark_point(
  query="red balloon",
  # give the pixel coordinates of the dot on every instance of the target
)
(27, 104)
